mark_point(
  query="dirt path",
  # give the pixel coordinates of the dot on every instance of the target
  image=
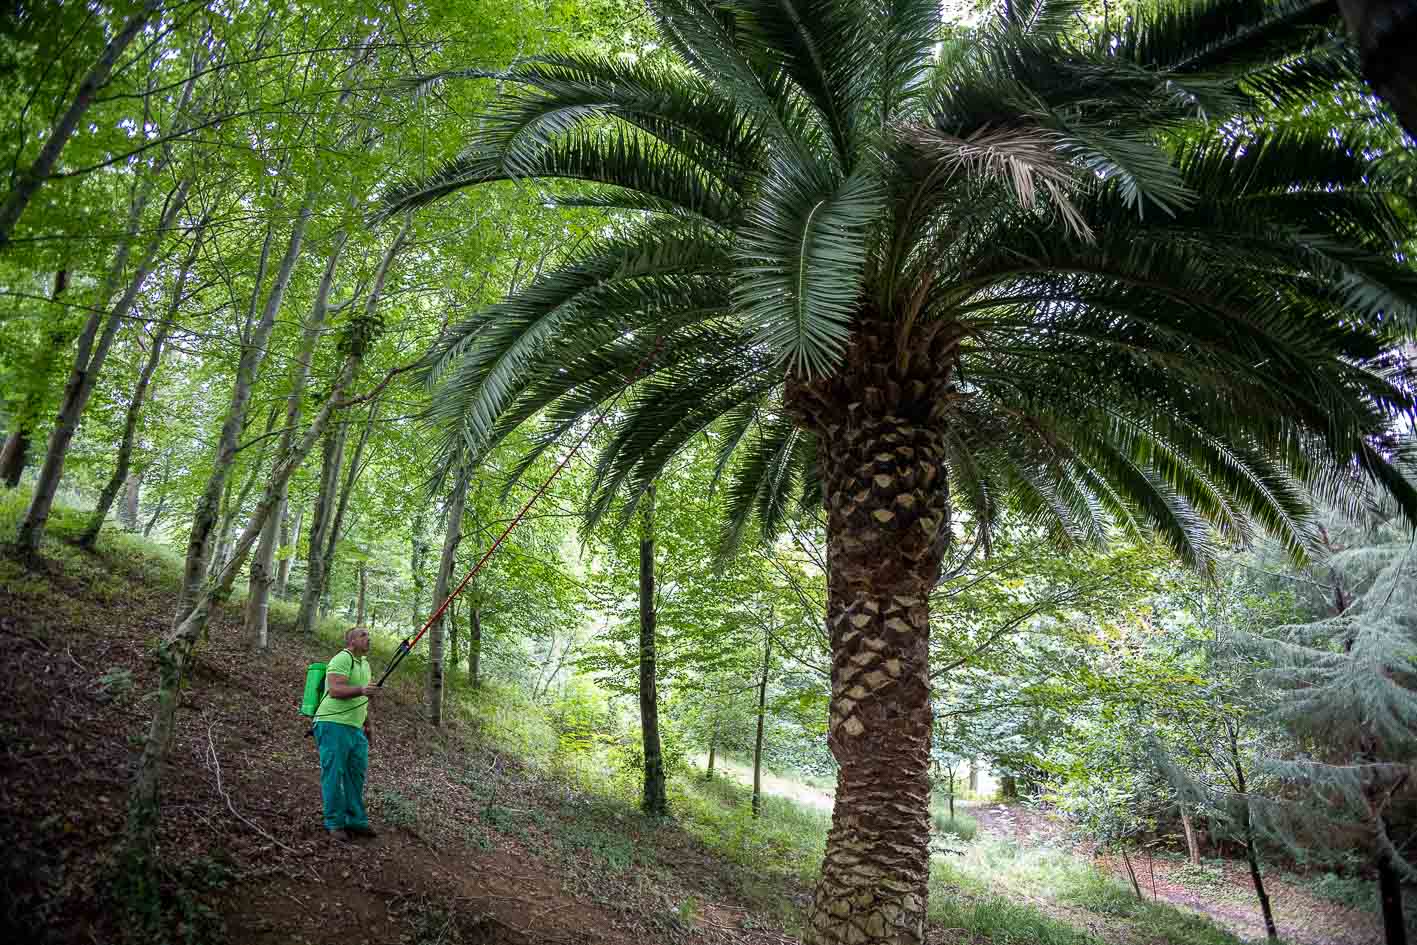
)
(1227, 898)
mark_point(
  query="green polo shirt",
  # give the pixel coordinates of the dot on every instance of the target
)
(355, 669)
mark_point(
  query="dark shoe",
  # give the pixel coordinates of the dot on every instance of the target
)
(364, 831)
(340, 836)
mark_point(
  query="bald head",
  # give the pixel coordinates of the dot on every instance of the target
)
(356, 640)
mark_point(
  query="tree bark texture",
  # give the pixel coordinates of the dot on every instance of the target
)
(253, 352)
(653, 800)
(29, 181)
(442, 587)
(1390, 901)
(88, 363)
(758, 739)
(1193, 847)
(256, 619)
(881, 447)
(1386, 34)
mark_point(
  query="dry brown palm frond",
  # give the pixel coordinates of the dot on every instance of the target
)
(1026, 160)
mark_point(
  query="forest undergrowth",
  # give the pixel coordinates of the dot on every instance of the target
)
(510, 824)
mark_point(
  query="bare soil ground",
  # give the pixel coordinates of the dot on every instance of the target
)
(474, 848)
(1228, 899)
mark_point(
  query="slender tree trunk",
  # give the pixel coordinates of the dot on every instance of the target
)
(474, 644)
(1131, 873)
(29, 181)
(263, 562)
(121, 472)
(973, 778)
(321, 522)
(418, 556)
(1390, 901)
(162, 497)
(1247, 833)
(452, 537)
(361, 609)
(758, 740)
(884, 487)
(351, 479)
(93, 350)
(654, 800)
(1193, 847)
(15, 453)
(713, 750)
(289, 541)
(132, 491)
(454, 648)
(1386, 34)
(1008, 787)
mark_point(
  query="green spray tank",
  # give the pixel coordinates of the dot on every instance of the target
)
(314, 689)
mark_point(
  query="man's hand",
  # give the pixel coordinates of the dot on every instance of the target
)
(370, 690)
(368, 735)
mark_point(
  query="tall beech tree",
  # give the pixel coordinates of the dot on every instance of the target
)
(1082, 275)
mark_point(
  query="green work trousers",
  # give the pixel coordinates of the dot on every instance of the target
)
(344, 760)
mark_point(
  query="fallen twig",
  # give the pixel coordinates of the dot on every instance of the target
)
(216, 768)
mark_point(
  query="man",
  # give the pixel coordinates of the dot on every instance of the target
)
(341, 728)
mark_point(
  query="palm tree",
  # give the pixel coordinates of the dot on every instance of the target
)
(917, 276)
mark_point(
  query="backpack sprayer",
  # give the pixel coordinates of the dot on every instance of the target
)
(315, 673)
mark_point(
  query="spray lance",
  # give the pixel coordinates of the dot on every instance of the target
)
(315, 674)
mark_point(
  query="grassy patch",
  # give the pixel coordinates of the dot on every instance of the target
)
(957, 902)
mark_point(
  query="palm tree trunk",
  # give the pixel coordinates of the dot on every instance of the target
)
(1386, 32)
(441, 589)
(653, 800)
(881, 447)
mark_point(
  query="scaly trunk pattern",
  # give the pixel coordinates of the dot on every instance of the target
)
(653, 800)
(881, 446)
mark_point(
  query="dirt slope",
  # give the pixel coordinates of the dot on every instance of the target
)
(474, 848)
